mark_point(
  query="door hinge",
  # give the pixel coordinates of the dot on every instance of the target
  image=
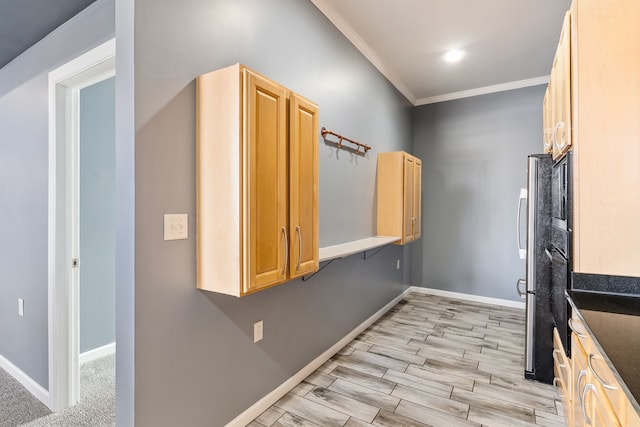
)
(75, 263)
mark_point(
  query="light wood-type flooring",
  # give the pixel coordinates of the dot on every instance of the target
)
(430, 361)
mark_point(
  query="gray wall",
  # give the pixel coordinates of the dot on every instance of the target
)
(97, 215)
(474, 152)
(196, 361)
(24, 180)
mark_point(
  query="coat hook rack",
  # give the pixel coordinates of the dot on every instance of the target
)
(324, 132)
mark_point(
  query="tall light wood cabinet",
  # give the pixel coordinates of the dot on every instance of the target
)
(257, 182)
(605, 76)
(399, 196)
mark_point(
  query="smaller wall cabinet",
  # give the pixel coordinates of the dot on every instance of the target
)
(399, 196)
(256, 182)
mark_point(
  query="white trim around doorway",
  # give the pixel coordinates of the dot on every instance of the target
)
(65, 83)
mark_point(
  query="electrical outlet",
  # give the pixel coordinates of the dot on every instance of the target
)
(397, 264)
(20, 307)
(257, 331)
(176, 226)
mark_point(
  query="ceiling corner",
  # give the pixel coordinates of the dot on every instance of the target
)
(355, 39)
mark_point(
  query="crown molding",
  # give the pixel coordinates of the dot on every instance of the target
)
(348, 31)
(483, 90)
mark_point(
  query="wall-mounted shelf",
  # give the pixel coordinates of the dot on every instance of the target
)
(345, 249)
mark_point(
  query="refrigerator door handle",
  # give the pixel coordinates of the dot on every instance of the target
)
(546, 251)
(523, 294)
(522, 251)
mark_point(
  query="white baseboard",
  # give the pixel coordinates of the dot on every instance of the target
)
(468, 297)
(97, 353)
(27, 382)
(263, 404)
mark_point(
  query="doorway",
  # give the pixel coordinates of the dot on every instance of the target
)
(81, 219)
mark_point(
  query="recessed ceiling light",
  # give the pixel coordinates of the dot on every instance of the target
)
(454, 55)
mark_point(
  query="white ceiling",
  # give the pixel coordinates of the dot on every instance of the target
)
(508, 43)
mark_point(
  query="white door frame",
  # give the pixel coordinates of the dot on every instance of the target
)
(65, 83)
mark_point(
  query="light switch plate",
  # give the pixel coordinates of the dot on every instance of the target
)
(257, 331)
(176, 226)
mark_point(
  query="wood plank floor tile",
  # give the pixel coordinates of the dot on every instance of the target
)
(526, 386)
(354, 422)
(359, 365)
(433, 356)
(441, 377)
(391, 419)
(430, 416)
(320, 379)
(345, 404)
(495, 419)
(548, 419)
(513, 396)
(312, 411)
(419, 383)
(451, 343)
(291, 420)
(270, 416)
(426, 349)
(370, 381)
(379, 360)
(400, 355)
(473, 373)
(493, 404)
(365, 394)
(449, 406)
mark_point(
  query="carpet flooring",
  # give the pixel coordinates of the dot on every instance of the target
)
(97, 406)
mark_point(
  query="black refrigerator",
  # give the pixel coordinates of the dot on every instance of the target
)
(535, 205)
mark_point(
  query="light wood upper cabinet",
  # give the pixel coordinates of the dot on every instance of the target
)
(257, 182)
(606, 132)
(557, 100)
(562, 79)
(399, 196)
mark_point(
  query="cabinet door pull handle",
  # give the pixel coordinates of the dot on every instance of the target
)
(286, 251)
(588, 387)
(575, 331)
(595, 374)
(581, 374)
(557, 380)
(555, 359)
(299, 247)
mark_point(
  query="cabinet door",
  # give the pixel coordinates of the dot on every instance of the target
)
(417, 198)
(409, 194)
(562, 130)
(266, 240)
(580, 372)
(303, 186)
(547, 121)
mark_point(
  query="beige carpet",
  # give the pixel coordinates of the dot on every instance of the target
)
(97, 406)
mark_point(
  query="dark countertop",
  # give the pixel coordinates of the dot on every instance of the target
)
(614, 321)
